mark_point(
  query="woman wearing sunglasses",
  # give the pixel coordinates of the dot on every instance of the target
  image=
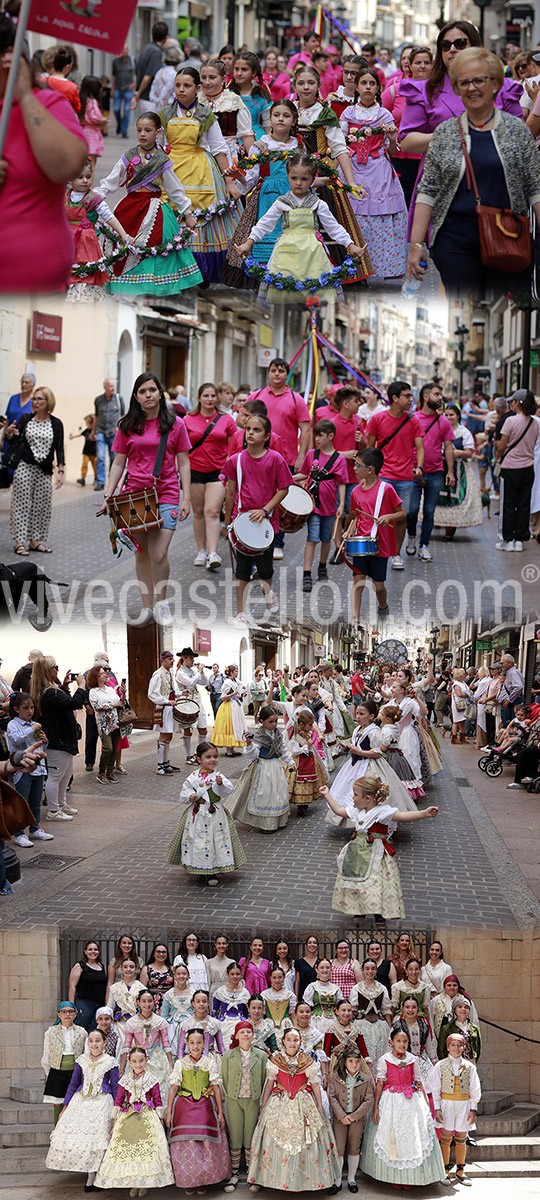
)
(428, 102)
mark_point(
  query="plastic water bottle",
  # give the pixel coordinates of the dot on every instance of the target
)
(411, 286)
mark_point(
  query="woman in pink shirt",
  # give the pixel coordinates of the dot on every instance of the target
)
(210, 432)
(256, 969)
(515, 452)
(136, 444)
(278, 82)
(44, 149)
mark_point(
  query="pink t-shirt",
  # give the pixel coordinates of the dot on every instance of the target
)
(365, 499)
(345, 438)
(216, 447)
(286, 411)
(38, 249)
(141, 450)
(523, 455)
(236, 443)
(399, 455)
(327, 505)
(440, 431)
(261, 479)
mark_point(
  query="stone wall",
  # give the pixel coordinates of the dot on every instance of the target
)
(29, 985)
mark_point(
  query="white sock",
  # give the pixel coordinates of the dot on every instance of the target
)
(352, 1166)
(161, 751)
(90, 1178)
(187, 744)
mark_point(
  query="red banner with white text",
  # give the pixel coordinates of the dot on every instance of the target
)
(100, 24)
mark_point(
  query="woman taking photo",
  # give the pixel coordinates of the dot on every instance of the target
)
(105, 702)
(210, 432)
(507, 170)
(135, 446)
(55, 708)
(88, 985)
(461, 506)
(515, 452)
(40, 440)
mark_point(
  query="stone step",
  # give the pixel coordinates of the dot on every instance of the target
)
(502, 1169)
(12, 1113)
(516, 1121)
(25, 1094)
(493, 1149)
(17, 1161)
(25, 1135)
(495, 1102)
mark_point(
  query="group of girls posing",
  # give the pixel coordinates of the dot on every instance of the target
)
(208, 128)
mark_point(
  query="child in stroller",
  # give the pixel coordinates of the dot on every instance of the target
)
(509, 743)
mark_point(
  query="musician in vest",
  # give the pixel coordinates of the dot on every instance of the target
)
(188, 680)
(62, 1045)
(162, 693)
(456, 1092)
(327, 475)
(438, 437)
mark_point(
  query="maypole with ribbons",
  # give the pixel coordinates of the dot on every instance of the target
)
(316, 343)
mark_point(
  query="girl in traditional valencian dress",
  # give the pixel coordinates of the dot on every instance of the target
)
(293, 1147)
(390, 715)
(368, 878)
(137, 1156)
(197, 1135)
(201, 1019)
(299, 254)
(400, 1146)
(233, 115)
(366, 749)
(199, 156)
(248, 83)
(83, 209)
(262, 184)
(309, 773)
(373, 1010)
(151, 1032)
(206, 842)
(230, 1002)
(381, 211)
(280, 1003)
(230, 725)
(122, 997)
(177, 1005)
(82, 1134)
(152, 187)
(323, 995)
(261, 796)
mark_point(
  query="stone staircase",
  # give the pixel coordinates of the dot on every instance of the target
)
(508, 1136)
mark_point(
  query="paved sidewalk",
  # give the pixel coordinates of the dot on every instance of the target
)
(109, 865)
(53, 1186)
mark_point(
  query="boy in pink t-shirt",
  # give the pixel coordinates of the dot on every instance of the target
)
(373, 501)
(327, 471)
(265, 480)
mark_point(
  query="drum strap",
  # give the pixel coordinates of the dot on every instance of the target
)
(377, 510)
(158, 465)
(319, 474)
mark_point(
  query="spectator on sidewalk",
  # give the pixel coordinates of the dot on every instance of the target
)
(108, 409)
(122, 88)
(55, 707)
(512, 692)
(148, 65)
(21, 678)
(216, 681)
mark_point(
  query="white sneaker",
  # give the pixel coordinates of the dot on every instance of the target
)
(162, 613)
(200, 560)
(278, 551)
(22, 840)
(518, 545)
(504, 545)
(272, 601)
(410, 548)
(58, 816)
(41, 836)
(397, 563)
(424, 554)
(68, 808)
(241, 619)
(213, 562)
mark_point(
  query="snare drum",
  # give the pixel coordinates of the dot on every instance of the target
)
(361, 546)
(135, 511)
(186, 713)
(250, 537)
(295, 508)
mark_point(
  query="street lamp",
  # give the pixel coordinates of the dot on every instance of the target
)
(434, 633)
(461, 332)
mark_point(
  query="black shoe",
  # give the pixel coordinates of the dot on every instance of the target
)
(89, 1187)
(175, 769)
(82, 482)
(307, 583)
(322, 572)
(191, 760)
(99, 487)
(383, 612)
(353, 1187)
(470, 1140)
(333, 1191)
(89, 767)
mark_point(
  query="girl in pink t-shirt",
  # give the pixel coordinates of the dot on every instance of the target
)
(257, 481)
(135, 446)
(373, 502)
(210, 432)
(91, 116)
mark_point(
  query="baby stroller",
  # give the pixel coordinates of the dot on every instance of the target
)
(493, 762)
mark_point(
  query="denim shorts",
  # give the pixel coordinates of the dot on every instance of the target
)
(169, 513)
(319, 527)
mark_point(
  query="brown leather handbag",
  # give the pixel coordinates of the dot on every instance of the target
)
(505, 237)
(15, 813)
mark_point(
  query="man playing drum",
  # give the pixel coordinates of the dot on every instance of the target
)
(162, 693)
(188, 679)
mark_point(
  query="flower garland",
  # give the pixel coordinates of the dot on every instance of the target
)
(214, 210)
(82, 270)
(368, 131)
(288, 283)
(324, 167)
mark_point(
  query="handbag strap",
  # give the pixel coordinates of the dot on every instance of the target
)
(204, 435)
(469, 169)
(513, 445)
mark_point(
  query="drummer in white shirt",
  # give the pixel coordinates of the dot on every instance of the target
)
(162, 693)
(188, 680)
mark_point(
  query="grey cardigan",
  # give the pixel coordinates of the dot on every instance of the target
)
(444, 166)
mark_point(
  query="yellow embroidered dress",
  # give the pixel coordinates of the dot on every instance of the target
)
(138, 1155)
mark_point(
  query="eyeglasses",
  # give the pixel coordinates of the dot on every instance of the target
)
(463, 85)
(460, 44)
(523, 66)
